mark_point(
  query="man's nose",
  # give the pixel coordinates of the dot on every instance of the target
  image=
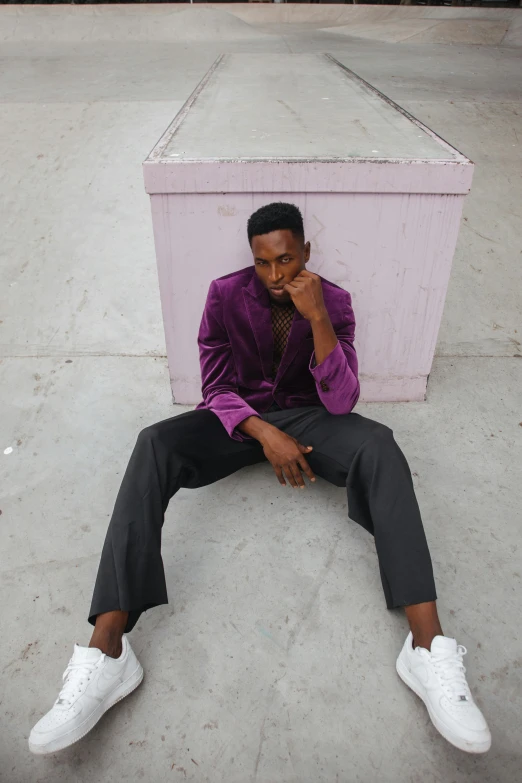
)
(275, 274)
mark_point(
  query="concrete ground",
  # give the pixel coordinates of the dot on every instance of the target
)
(274, 661)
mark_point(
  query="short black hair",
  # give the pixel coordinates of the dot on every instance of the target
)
(276, 217)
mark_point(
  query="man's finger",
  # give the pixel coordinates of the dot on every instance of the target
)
(304, 449)
(279, 474)
(294, 467)
(307, 469)
(290, 476)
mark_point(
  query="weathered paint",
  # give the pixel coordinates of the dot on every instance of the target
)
(385, 229)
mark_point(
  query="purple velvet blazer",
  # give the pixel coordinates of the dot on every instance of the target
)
(236, 344)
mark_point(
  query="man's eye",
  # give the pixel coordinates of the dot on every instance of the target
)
(286, 260)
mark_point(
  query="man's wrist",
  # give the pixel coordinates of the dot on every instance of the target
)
(256, 427)
(320, 317)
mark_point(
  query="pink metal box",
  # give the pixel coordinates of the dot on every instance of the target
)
(381, 195)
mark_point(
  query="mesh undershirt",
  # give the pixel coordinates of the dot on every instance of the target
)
(282, 317)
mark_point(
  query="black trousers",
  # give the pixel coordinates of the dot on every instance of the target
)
(193, 449)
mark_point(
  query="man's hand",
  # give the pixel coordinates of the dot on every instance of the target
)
(285, 454)
(306, 291)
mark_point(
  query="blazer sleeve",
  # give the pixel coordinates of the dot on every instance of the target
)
(336, 378)
(218, 372)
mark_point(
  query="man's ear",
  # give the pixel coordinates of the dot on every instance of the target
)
(307, 252)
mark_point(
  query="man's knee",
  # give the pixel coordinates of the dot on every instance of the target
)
(380, 437)
(150, 434)
(165, 437)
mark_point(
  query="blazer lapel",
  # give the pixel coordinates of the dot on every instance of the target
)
(300, 329)
(257, 303)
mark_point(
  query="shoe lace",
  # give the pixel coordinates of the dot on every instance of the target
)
(452, 673)
(75, 679)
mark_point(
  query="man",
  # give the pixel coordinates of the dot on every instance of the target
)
(279, 375)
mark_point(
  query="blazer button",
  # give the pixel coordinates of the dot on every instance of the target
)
(324, 386)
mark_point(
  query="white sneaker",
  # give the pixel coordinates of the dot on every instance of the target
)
(438, 677)
(93, 683)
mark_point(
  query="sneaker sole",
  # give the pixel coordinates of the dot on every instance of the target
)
(453, 739)
(123, 690)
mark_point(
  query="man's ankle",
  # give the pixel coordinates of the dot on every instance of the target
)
(425, 641)
(109, 645)
(108, 632)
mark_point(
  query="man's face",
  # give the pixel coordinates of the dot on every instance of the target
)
(278, 258)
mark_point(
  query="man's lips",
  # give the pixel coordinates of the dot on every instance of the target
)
(278, 291)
